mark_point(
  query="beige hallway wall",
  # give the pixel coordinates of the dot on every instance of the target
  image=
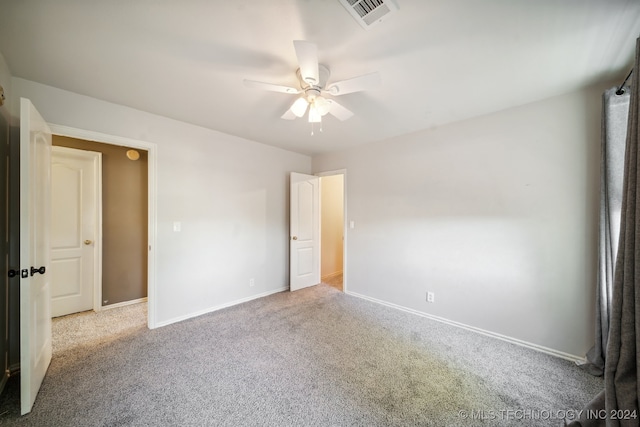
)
(332, 225)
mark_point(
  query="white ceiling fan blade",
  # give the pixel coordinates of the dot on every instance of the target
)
(307, 54)
(270, 87)
(355, 84)
(338, 111)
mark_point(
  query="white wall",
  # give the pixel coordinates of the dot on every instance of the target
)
(230, 195)
(496, 215)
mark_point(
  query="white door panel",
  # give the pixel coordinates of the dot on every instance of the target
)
(75, 235)
(35, 286)
(305, 231)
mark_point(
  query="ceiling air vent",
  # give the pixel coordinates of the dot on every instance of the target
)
(369, 12)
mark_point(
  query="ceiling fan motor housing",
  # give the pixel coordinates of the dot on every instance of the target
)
(311, 93)
(323, 77)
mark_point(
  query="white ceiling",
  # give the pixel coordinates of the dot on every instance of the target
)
(440, 60)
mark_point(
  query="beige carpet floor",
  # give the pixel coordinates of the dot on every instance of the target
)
(315, 357)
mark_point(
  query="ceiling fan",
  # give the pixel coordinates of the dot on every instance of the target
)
(313, 79)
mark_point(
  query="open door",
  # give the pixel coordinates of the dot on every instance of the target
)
(35, 289)
(304, 253)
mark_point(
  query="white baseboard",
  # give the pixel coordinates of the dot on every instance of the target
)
(123, 304)
(542, 349)
(219, 307)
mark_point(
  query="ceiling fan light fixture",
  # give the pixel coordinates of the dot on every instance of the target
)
(299, 107)
(314, 115)
(321, 105)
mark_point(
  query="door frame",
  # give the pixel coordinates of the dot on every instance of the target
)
(345, 235)
(96, 157)
(5, 141)
(151, 149)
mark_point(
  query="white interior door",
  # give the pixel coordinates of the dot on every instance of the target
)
(35, 289)
(304, 253)
(75, 230)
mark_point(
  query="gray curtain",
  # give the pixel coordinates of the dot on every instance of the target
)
(620, 396)
(615, 112)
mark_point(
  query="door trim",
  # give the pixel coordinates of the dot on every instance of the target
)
(152, 165)
(345, 234)
(97, 254)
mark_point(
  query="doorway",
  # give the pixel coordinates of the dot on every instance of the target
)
(332, 229)
(123, 237)
(15, 149)
(131, 154)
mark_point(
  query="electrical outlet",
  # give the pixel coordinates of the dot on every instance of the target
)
(431, 297)
(252, 282)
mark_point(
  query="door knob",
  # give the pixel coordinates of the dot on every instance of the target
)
(87, 242)
(295, 237)
(40, 270)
